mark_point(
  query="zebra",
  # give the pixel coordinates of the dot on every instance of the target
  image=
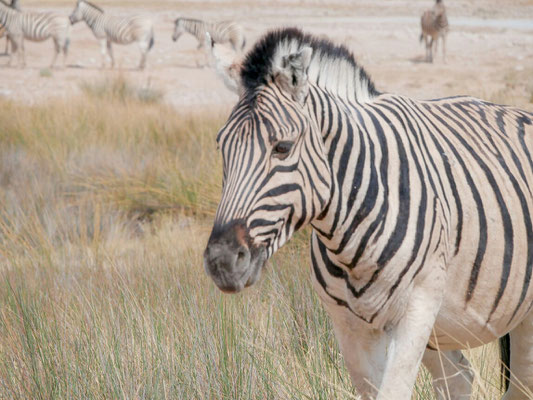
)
(220, 32)
(3, 32)
(109, 29)
(37, 27)
(422, 239)
(434, 25)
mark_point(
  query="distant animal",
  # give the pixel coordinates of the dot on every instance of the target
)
(220, 32)
(3, 32)
(434, 24)
(421, 213)
(110, 29)
(37, 27)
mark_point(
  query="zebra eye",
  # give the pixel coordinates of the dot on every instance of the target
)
(282, 148)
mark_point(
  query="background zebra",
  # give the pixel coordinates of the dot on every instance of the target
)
(36, 27)
(3, 32)
(421, 212)
(434, 24)
(109, 29)
(220, 32)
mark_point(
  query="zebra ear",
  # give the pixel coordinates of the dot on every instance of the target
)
(226, 64)
(291, 73)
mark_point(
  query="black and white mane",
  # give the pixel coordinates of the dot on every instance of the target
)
(93, 5)
(333, 67)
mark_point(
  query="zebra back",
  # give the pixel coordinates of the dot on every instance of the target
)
(122, 30)
(41, 26)
(220, 32)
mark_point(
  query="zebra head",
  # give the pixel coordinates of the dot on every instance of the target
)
(276, 177)
(178, 29)
(77, 14)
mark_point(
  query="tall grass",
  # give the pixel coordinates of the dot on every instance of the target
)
(106, 205)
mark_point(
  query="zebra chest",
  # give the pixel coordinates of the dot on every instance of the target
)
(375, 293)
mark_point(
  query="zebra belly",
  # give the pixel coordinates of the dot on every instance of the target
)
(489, 287)
(121, 40)
(465, 324)
(37, 38)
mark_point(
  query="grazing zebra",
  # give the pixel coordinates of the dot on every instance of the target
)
(220, 32)
(421, 212)
(36, 27)
(109, 29)
(16, 6)
(434, 24)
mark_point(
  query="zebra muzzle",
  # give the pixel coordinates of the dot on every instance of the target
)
(230, 259)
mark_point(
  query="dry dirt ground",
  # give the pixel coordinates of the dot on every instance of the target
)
(490, 49)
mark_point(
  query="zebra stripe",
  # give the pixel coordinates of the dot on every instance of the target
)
(220, 32)
(421, 211)
(121, 30)
(434, 24)
(36, 27)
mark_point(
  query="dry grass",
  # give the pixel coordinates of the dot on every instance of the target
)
(106, 204)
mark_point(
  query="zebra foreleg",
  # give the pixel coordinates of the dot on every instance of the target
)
(21, 54)
(14, 50)
(103, 52)
(65, 51)
(359, 346)
(110, 52)
(383, 363)
(452, 376)
(144, 46)
(444, 48)
(406, 342)
(57, 49)
(521, 386)
(429, 43)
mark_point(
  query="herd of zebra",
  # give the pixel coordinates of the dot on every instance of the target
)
(18, 25)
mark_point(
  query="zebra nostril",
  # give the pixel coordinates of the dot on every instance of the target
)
(243, 257)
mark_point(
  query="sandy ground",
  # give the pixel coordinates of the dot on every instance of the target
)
(489, 49)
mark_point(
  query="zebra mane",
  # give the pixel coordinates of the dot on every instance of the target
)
(92, 5)
(333, 67)
(189, 20)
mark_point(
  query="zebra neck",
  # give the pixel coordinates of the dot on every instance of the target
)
(196, 28)
(343, 78)
(348, 147)
(6, 15)
(91, 16)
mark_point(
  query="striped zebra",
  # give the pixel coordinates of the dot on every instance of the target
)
(421, 212)
(3, 32)
(220, 32)
(109, 29)
(37, 27)
(434, 24)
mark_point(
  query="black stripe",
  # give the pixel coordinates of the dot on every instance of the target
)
(400, 229)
